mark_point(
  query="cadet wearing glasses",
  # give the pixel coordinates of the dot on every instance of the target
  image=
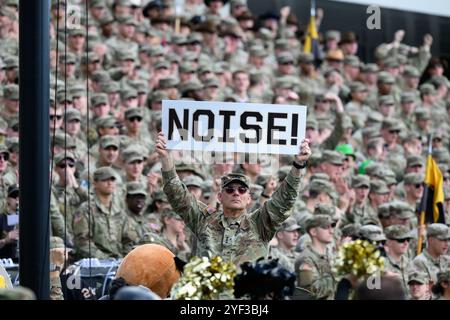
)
(232, 233)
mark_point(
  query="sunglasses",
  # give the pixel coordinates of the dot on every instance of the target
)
(65, 165)
(402, 240)
(58, 117)
(133, 119)
(394, 131)
(231, 190)
(419, 185)
(15, 128)
(446, 178)
(4, 156)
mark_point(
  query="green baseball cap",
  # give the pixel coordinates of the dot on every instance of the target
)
(346, 149)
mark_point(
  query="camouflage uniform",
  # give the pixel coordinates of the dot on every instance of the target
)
(238, 240)
(286, 258)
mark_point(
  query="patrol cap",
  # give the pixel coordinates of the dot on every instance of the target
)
(391, 125)
(13, 191)
(443, 276)
(360, 180)
(64, 141)
(374, 169)
(333, 157)
(193, 180)
(311, 123)
(68, 58)
(285, 57)
(63, 96)
(318, 176)
(163, 65)
(407, 97)
(109, 141)
(170, 214)
(290, 224)
(11, 92)
(167, 83)
(63, 155)
(77, 32)
(191, 85)
(319, 185)
(333, 34)
(187, 67)
(58, 243)
(414, 161)
(374, 117)
(8, 12)
(136, 188)
(379, 187)
(439, 231)
(132, 153)
(211, 82)
(386, 77)
(99, 99)
(422, 114)
(282, 44)
(77, 90)
(195, 37)
(235, 177)
(372, 233)
(305, 57)
(90, 57)
(391, 62)
(106, 122)
(357, 87)
(397, 232)
(413, 178)
(411, 72)
(325, 209)
(318, 220)
(427, 89)
(370, 68)
(352, 61)
(134, 112)
(104, 173)
(126, 19)
(100, 76)
(384, 210)
(418, 276)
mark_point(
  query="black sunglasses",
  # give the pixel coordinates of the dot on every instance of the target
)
(402, 240)
(231, 190)
(132, 119)
(419, 185)
(4, 156)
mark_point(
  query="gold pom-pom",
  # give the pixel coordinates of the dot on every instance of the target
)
(360, 258)
(204, 279)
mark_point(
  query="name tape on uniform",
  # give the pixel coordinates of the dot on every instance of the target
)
(233, 127)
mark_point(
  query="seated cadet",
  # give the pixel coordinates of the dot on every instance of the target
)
(419, 285)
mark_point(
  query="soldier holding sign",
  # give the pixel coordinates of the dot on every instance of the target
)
(232, 232)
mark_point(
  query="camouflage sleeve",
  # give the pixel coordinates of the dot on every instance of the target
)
(336, 135)
(82, 237)
(55, 288)
(278, 208)
(56, 218)
(129, 237)
(82, 194)
(321, 285)
(420, 61)
(182, 201)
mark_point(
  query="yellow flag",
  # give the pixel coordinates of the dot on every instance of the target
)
(435, 182)
(311, 35)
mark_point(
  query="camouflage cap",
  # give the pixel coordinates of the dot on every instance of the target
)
(17, 293)
(386, 100)
(386, 77)
(311, 123)
(374, 117)
(179, 39)
(372, 233)
(398, 232)
(63, 96)
(162, 65)
(77, 32)
(357, 87)
(352, 61)
(285, 57)
(370, 68)
(319, 185)
(126, 19)
(235, 177)
(136, 188)
(384, 210)
(379, 187)
(193, 180)
(439, 231)
(333, 34)
(158, 96)
(57, 243)
(325, 209)
(99, 99)
(441, 155)
(65, 141)
(414, 161)
(104, 173)
(187, 67)
(167, 83)
(77, 90)
(8, 12)
(318, 220)
(97, 4)
(305, 58)
(12, 143)
(191, 85)
(258, 51)
(195, 37)
(132, 153)
(360, 180)
(100, 76)
(422, 114)
(438, 81)
(160, 195)
(90, 57)
(11, 92)
(318, 176)
(106, 122)
(63, 155)
(391, 62)
(391, 124)
(170, 214)
(211, 82)
(290, 224)
(411, 72)
(67, 58)
(413, 178)
(109, 141)
(407, 97)
(427, 89)
(418, 276)
(333, 157)
(134, 112)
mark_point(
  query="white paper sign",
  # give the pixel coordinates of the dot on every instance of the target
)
(233, 127)
(13, 219)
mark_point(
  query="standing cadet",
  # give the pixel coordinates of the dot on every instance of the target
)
(287, 237)
(232, 232)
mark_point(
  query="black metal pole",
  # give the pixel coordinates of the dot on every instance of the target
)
(34, 81)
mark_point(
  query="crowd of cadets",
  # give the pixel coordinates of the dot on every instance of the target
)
(368, 124)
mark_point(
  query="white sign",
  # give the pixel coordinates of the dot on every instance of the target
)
(233, 127)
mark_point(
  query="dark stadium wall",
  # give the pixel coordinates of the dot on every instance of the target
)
(352, 17)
